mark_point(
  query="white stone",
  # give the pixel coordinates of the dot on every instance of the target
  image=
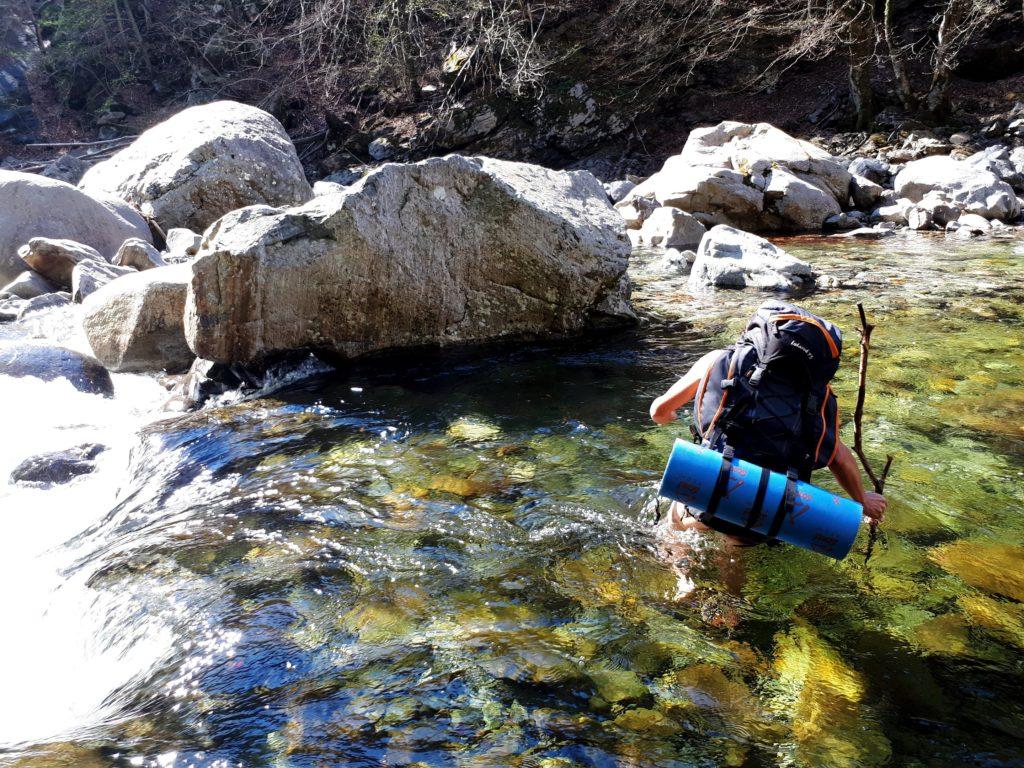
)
(89, 276)
(55, 259)
(203, 162)
(801, 205)
(35, 206)
(969, 188)
(864, 193)
(741, 146)
(135, 323)
(137, 254)
(728, 257)
(671, 228)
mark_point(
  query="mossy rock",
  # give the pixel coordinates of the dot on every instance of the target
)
(649, 721)
(944, 635)
(823, 698)
(377, 622)
(990, 566)
(617, 686)
(1004, 621)
(473, 429)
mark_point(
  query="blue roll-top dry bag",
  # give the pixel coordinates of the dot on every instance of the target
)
(768, 504)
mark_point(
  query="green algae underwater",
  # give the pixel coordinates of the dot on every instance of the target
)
(450, 561)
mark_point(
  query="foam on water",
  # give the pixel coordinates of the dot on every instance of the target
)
(59, 659)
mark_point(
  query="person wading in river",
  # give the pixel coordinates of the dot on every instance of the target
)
(767, 399)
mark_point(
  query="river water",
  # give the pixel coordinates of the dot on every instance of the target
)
(450, 560)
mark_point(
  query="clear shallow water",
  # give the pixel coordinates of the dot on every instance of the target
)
(451, 561)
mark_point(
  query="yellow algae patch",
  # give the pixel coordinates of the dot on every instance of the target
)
(466, 487)
(709, 690)
(605, 577)
(648, 721)
(946, 634)
(377, 622)
(472, 429)
(823, 698)
(1004, 621)
(990, 566)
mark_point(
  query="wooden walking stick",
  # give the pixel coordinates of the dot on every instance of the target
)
(877, 481)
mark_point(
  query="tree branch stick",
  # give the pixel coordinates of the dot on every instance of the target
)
(877, 481)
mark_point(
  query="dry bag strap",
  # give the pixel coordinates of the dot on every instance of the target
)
(755, 510)
(722, 484)
(785, 504)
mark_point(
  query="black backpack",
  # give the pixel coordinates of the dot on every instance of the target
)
(767, 398)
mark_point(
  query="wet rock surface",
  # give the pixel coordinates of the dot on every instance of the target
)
(57, 467)
(49, 363)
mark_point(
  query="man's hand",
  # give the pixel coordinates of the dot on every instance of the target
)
(662, 412)
(874, 506)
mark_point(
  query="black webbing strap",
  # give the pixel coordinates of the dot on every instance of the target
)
(722, 484)
(785, 505)
(755, 510)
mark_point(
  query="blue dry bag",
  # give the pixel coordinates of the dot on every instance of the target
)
(773, 505)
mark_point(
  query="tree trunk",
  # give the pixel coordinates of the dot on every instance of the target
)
(937, 101)
(899, 67)
(137, 33)
(861, 36)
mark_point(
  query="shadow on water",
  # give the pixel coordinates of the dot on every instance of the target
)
(449, 560)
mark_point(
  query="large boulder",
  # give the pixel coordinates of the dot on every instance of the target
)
(34, 206)
(49, 363)
(745, 146)
(730, 258)
(135, 322)
(750, 176)
(191, 169)
(713, 195)
(968, 187)
(998, 161)
(444, 251)
(56, 258)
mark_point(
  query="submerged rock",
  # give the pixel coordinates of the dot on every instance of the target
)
(135, 322)
(34, 206)
(730, 258)
(445, 251)
(823, 697)
(50, 363)
(991, 566)
(58, 467)
(203, 162)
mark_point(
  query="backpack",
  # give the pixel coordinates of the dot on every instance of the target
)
(767, 398)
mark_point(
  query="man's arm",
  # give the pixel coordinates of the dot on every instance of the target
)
(847, 474)
(663, 409)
